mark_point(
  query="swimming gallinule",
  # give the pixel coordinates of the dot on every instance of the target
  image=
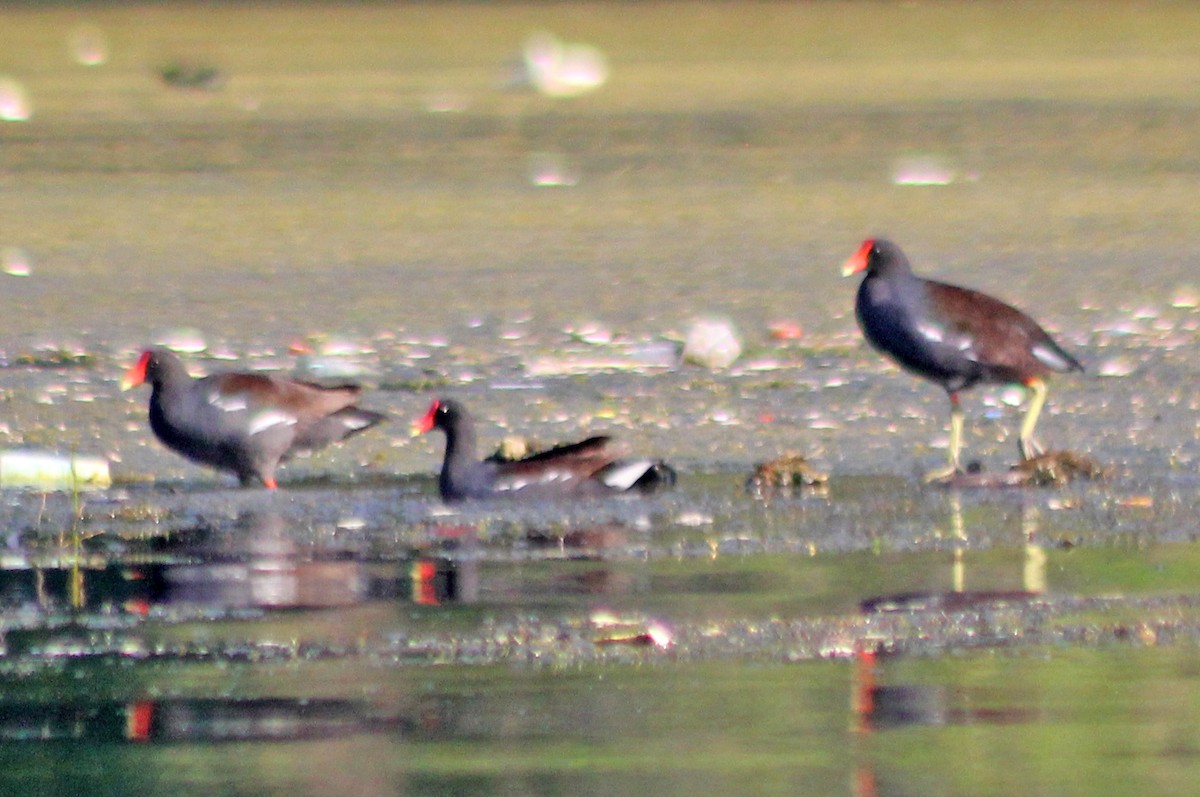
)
(585, 468)
(953, 336)
(241, 422)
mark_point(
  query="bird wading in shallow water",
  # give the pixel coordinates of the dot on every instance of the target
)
(955, 337)
(586, 468)
(242, 422)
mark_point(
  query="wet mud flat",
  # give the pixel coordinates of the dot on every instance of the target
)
(383, 213)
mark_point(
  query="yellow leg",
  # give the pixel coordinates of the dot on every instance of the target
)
(956, 433)
(1029, 447)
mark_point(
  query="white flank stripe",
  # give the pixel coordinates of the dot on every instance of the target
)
(269, 420)
(232, 403)
(931, 332)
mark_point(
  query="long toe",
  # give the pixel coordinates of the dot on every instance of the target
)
(1029, 448)
(941, 475)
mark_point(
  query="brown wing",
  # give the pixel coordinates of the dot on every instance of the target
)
(580, 459)
(304, 400)
(591, 447)
(994, 334)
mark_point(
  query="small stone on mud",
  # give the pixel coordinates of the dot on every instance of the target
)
(615, 358)
(786, 330)
(555, 68)
(551, 170)
(14, 101)
(923, 169)
(184, 340)
(712, 343)
(1186, 297)
(1117, 366)
(1013, 396)
(15, 262)
(590, 332)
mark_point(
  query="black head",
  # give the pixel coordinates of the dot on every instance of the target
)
(878, 257)
(444, 414)
(153, 366)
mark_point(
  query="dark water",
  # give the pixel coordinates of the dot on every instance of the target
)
(365, 181)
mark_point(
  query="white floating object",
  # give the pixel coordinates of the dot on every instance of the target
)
(89, 46)
(694, 519)
(923, 170)
(551, 170)
(1186, 296)
(622, 359)
(1013, 396)
(343, 347)
(591, 332)
(14, 101)
(184, 340)
(331, 367)
(47, 470)
(1117, 366)
(562, 69)
(712, 343)
(445, 102)
(15, 262)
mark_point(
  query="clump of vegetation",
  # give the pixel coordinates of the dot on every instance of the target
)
(786, 472)
(1056, 468)
(54, 358)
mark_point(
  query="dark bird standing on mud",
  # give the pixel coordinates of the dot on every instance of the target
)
(955, 337)
(241, 422)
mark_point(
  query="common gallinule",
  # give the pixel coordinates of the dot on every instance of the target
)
(241, 422)
(588, 467)
(953, 336)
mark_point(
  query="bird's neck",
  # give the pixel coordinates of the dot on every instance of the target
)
(170, 377)
(891, 286)
(460, 453)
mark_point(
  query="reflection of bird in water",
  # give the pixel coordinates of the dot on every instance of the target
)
(269, 719)
(259, 565)
(436, 581)
(589, 542)
(879, 707)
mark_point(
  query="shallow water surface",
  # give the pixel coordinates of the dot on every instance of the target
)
(366, 192)
(951, 726)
